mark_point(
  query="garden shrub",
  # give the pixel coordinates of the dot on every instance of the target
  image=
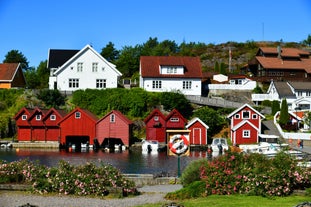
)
(190, 173)
(195, 189)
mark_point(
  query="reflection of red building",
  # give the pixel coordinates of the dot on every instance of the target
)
(198, 134)
(157, 124)
(114, 125)
(78, 127)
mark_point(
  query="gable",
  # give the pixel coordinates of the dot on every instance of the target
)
(155, 113)
(118, 114)
(245, 107)
(243, 124)
(77, 114)
(194, 121)
(170, 67)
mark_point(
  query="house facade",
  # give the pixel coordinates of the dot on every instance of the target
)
(245, 125)
(114, 125)
(280, 64)
(11, 76)
(297, 94)
(156, 126)
(72, 70)
(198, 132)
(23, 126)
(79, 126)
(171, 73)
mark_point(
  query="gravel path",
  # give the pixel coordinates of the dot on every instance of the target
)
(149, 194)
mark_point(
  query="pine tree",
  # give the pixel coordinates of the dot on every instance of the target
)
(284, 116)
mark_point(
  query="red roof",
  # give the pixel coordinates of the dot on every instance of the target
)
(150, 66)
(119, 114)
(7, 71)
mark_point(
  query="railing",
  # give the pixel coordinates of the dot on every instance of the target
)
(248, 86)
(219, 102)
(262, 97)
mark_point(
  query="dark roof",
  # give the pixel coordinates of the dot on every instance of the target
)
(58, 57)
(150, 66)
(283, 89)
(305, 86)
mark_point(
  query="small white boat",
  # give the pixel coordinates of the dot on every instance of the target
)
(150, 146)
(219, 145)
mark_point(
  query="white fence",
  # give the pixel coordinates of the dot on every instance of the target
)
(248, 86)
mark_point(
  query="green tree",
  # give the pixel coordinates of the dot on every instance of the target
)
(211, 118)
(149, 46)
(166, 48)
(110, 53)
(128, 62)
(43, 73)
(275, 107)
(216, 67)
(32, 78)
(15, 56)
(52, 98)
(284, 116)
(222, 69)
(307, 41)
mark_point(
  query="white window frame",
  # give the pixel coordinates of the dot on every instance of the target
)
(156, 118)
(254, 116)
(249, 114)
(24, 117)
(101, 83)
(157, 84)
(174, 119)
(79, 67)
(73, 83)
(186, 84)
(94, 67)
(53, 117)
(38, 117)
(237, 116)
(246, 133)
(112, 118)
(78, 115)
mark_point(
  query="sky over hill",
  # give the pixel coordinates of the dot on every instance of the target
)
(35, 26)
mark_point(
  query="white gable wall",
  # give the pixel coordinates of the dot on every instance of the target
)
(87, 78)
(171, 85)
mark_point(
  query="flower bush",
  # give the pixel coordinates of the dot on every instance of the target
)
(254, 174)
(88, 179)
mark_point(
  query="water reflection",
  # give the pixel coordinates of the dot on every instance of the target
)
(126, 161)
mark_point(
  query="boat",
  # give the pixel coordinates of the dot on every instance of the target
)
(219, 145)
(150, 146)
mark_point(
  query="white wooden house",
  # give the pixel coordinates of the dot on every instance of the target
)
(71, 70)
(171, 73)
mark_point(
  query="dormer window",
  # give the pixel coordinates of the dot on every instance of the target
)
(38, 117)
(172, 70)
(53, 117)
(24, 117)
(77, 115)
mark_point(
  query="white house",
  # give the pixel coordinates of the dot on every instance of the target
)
(171, 73)
(297, 94)
(71, 70)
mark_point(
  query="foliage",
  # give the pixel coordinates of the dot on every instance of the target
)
(212, 118)
(15, 56)
(172, 100)
(190, 173)
(88, 179)
(307, 41)
(110, 53)
(257, 90)
(128, 61)
(51, 98)
(195, 189)
(275, 107)
(284, 116)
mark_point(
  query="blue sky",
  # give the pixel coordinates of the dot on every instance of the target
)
(35, 26)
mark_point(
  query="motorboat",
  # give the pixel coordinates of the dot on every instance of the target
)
(150, 146)
(219, 145)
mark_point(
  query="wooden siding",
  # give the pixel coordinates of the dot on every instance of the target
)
(197, 134)
(238, 134)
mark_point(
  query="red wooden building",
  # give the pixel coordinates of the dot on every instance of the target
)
(23, 126)
(37, 125)
(50, 120)
(174, 120)
(156, 126)
(245, 125)
(79, 126)
(114, 127)
(198, 132)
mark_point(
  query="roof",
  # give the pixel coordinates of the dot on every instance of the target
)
(194, 120)
(285, 52)
(306, 86)
(88, 113)
(150, 66)
(283, 89)
(236, 127)
(58, 57)
(119, 114)
(8, 71)
(242, 107)
(174, 111)
(155, 111)
(61, 113)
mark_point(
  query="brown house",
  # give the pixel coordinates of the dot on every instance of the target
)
(280, 64)
(11, 76)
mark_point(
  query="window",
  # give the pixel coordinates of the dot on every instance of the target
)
(77, 115)
(186, 84)
(73, 83)
(100, 83)
(254, 116)
(171, 70)
(299, 93)
(94, 67)
(38, 117)
(308, 93)
(246, 133)
(53, 117)
(156, 118)
(24, 117)
(174, 119)
(156, 84)
(237, 116)
(245, 114)
(112, 118)
(79, 67)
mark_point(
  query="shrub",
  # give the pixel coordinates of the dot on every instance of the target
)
(190, 173)
(193, 190)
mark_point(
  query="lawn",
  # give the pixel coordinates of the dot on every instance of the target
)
(239, 200)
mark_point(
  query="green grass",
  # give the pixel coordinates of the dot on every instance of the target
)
(238, 200)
